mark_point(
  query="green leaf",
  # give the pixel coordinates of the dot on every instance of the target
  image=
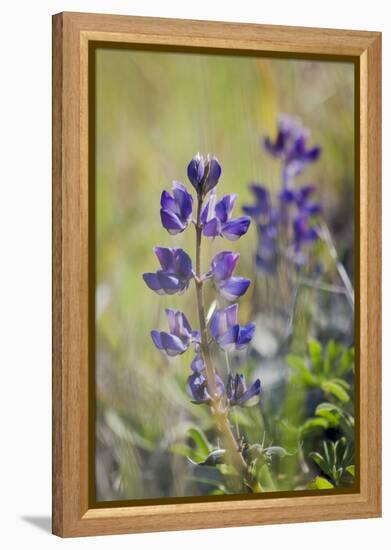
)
(334, 387)
(346, 363)
(315, 352)
(200, 440)
(186, 451)
(313, 424)
(322, 463)
(320, 483)
(351, 470)
(299, 364)
(332, 413)
(332, 351)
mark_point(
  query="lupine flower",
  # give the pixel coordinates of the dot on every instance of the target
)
(262, 204)
(180, 336)
(267, 255)
(226, 331)
(221, 269)
(176, 209)
(198, 387)
(203, 173)
(176, 272)
(216, 218)
(238, 394)
(304, 232)
(301, 197)
(197, 365)
(290, 145)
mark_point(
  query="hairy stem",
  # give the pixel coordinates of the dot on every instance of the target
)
(217, 407)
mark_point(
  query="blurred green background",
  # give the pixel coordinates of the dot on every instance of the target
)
(154, 111)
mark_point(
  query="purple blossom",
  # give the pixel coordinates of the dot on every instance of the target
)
(226, 331)
(216, 218)
(203, 173)
(238, 394)
(221, 269)
(304, 232)
(176, 209)
(198, 387)
(290, 145)
(301, 198)
(175, 273)
(197, 365)
(262, 205)
(180, 336)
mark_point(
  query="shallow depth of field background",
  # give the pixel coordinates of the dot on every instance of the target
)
(154, 112)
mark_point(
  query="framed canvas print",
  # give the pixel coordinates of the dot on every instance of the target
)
(216, 274)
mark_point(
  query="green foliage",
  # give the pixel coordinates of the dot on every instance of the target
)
(324, 368)
(335, 460)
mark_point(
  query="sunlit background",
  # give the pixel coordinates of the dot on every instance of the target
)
(154, 111)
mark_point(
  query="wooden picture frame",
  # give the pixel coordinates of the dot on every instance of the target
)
(73, 33)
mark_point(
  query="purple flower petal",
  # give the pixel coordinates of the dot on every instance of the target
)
(251, 396)
(183, 199)
(245, 336)
(225, 206)
(222, 320)
(156, 339)
(212, 228)
(223, 264)
(195, 172)
(167, 202)
(198, 388)
(171, 222)
(233, 287)
(182, 263)
(197, 365)
(170, 283)
(313, 154)
(212, 175)
(171, 344)
(165, 257)
(229, 339)
(153, 282)
(235, 229)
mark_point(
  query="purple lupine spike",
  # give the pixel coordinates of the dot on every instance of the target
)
(176, 209)
(290, 145)
(198, 387)
(216, 218)
(180, 336)
(204, 173)
(222, 267)
(226, 331)
(238, 394)
(176, 272)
